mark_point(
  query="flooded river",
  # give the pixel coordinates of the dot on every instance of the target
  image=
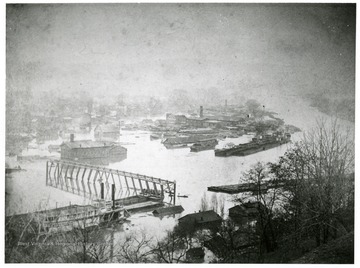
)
(193, 172)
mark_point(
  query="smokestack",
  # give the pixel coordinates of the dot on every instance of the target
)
(71, 137)
(225, 106)
(102, 191)
(113, 195)
(201, 111)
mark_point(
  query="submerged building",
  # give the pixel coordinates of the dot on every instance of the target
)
(92, 152)
(201, 220)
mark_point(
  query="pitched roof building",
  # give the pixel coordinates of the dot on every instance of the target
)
(249, 210)
(91, 152)
(203, 219)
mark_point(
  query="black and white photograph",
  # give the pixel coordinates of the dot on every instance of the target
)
(176, 132)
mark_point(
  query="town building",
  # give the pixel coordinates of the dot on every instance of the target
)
(175, 119)
(196, 122)
(203, 220)
(82, 123)
(92, 152)
(246, 212)
(160, 123)
(107, 132)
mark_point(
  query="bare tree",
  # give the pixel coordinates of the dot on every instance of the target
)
(204, 205)
(136, 248)
(172, 249)
(85, 244)
(222, 206)
(319, 175)
(233, 244)
(25, 242)
(265, 199)
(214, 202)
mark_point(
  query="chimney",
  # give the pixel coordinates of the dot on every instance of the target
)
(72, 137)
(201, 111)
(225, 106)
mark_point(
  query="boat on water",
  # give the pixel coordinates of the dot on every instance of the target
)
(155, 136)
(184, 141)
(77, 216)
(9, 170)
(256, 145)
(176, 146)
(203, 145)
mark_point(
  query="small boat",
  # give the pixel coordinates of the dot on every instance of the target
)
(14, 169)
(203, 145)
(183, 196)
(155, 137)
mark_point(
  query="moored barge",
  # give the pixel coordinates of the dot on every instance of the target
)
(256, 145)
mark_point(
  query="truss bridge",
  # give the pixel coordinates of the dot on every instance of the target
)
(100, 183)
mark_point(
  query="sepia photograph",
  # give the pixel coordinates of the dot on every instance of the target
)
(175, 132)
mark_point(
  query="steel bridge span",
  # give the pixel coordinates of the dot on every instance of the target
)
(97, 182)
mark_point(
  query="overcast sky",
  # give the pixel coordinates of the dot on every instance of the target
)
(152, 48)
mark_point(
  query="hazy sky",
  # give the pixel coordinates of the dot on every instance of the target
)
(151, 48)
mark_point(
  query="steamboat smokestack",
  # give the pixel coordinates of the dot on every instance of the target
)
(71, 137)
(113, 196)
(201, 111)
(102, 196)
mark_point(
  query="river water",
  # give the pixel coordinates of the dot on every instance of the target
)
(193, 172)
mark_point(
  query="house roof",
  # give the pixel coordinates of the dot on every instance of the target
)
(237, 209)
(201, 217)
(87, 144)
(169, 210)
(247, 208)
(253, 205)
